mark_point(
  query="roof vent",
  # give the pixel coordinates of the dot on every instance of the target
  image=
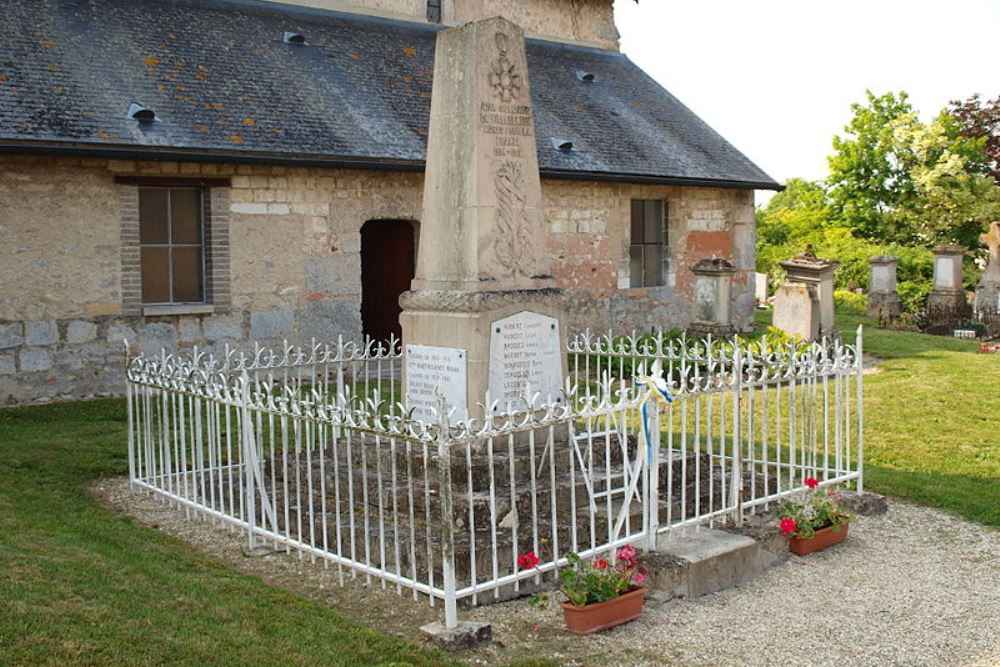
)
(294, 38)
(587, 77)
(141, 113)
(564, 145)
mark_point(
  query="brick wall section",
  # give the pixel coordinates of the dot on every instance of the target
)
(128, 203)
(284, 261)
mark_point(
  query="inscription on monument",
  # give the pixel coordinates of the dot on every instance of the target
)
(525, 355)
(429, 369)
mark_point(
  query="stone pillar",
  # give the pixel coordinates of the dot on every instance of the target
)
(883, 299)
(948, 291)
(816, 274)
(988, 289)
(713, 297)
(483, 306)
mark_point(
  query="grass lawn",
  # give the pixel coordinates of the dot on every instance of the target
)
(932, 420)
(82, 586)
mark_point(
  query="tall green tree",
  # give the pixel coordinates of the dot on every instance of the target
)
(981, 118)
(868, 177)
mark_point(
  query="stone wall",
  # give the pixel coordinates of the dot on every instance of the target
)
(588, 22)
(294, 261)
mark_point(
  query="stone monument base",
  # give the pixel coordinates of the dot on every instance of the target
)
(941, 298)
(884, 304)
(712, 328)
(466, 321)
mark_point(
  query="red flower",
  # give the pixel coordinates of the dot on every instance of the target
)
(788, 526)
(600, 564)
(812, 482)
(527, 561)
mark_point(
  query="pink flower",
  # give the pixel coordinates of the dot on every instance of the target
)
(812, 482)
(638, 578)
(788, 526)
(600, 564)
(527, 561)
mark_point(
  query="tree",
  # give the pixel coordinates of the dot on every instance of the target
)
(981, 118)
(868, 179)
(798, 209)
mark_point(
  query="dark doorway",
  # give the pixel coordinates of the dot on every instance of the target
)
(387, 267)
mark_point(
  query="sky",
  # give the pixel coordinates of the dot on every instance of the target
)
(776, 78)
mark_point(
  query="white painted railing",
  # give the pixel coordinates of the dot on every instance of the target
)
(308, 450)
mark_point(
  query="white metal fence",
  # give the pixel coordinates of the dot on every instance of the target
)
(308, 450)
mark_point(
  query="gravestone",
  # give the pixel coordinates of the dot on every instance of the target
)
(883, 299)
(988, 289)
(948, 291)
(816, 274)
(712, 297)
(760, 287)
(482, 262)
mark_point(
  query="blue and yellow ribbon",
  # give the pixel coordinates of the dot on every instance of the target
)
(656, 389)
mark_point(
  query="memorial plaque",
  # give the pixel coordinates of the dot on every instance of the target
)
(943, 273)
(429, 368)
(525, 355)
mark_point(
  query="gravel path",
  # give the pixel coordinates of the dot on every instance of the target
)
(913, 587)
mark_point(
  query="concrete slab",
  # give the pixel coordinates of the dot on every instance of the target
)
(703, 561)
(466, 635)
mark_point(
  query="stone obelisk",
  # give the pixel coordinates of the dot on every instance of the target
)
(482, 312)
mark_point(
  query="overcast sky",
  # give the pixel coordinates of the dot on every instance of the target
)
(777, 77)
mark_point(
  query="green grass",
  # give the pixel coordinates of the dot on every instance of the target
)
(932, 420)
(82, 586)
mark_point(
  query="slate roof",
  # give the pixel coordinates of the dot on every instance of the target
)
(225, 86)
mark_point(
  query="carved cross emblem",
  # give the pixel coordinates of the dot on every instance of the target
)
(506, 84)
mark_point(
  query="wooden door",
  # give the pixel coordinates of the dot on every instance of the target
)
(387, 267)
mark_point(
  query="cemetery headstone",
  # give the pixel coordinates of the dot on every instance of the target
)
(988, 289)
(948, 291)
(760, 287)
(883, 299)
(816, 274)
(712, 297)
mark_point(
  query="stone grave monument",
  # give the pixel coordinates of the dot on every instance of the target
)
(803, 305)
(760, 287)
(482, 314)
(948, 291)
(712, 297)
(988, 289)
(883, 299)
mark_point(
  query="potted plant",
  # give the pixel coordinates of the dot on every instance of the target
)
(819, 521)
(600, 595)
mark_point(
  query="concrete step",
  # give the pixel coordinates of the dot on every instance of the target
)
(698, 561)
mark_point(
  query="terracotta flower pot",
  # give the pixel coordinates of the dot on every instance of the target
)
(603, 615)
(823, 538)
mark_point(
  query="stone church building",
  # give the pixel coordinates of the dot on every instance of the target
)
(202, 172)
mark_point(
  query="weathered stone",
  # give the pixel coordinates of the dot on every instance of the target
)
(466, 635)
(866, 504)
(118, 334)
(713, 297)
(272, 323)
(324, 321)
(817, 274)
(224, 327)
(159, 336)
(35, 360)
(80, 331)
(988, 289)
(44, 332)
(11, 335)
(883, 300)
(796, 310)
(948, 291)
(8, 363)
(189, 329)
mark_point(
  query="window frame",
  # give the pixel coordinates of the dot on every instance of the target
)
(202, 245)
(661, 245)
(435, 11)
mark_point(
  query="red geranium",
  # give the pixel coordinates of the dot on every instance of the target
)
(812, 482)
(528, 560)
(788, 526)
(600, 564)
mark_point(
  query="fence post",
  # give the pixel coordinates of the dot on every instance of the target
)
(736, 479)
(652, 512)
(861, 410)
(247, 447)
(447, 512)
